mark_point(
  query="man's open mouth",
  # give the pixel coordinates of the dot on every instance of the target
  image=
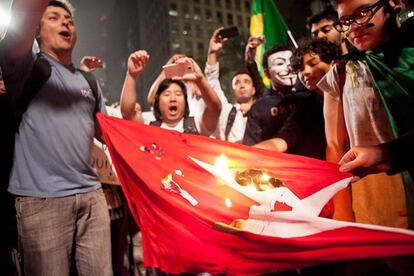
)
(65, 34)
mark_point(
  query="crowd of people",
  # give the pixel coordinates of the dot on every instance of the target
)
(344, 95)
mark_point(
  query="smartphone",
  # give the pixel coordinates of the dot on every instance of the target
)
(177, 69)
(229, 32)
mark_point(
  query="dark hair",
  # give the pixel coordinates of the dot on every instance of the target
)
(387, 7)
(64, 4)
(241, 72)
(328, 13)
(327, 51)
(274, 49)
(161, 88)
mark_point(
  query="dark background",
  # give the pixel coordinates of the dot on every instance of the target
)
(112, 29)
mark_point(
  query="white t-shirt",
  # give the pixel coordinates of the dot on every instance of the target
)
(365, 117)
(378, 198)
(179, 126)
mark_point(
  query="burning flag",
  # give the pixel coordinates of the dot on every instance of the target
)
(255, 213)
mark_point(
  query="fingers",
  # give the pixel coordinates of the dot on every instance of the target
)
(174, 58)
(350, 166)
(139, 58)
(349, 161)
(92, 61)
(216, 32)
(216, 38)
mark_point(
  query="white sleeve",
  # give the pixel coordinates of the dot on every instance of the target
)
(330, 83)
(212, 73)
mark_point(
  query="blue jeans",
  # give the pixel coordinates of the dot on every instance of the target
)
(54, 233)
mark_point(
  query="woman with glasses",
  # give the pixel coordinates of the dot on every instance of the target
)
(371, 101)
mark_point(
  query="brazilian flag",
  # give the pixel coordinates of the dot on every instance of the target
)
(267, 21)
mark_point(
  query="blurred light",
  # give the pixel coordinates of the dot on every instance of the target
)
(410, 14)
(5, 18)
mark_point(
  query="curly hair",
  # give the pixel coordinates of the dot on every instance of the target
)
(327, 51)
(163, 86)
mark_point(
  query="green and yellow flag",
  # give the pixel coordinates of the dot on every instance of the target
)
(267, 21)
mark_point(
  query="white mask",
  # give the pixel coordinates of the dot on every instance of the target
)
(279, 64)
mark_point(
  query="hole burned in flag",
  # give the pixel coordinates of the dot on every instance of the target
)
(154, 150)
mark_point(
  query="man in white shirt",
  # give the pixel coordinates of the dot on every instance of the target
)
(233, 119)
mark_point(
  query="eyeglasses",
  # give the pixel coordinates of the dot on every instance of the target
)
(361, 17)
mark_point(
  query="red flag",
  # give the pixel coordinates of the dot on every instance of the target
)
(187, 207)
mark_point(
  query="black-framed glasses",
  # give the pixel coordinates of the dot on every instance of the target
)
(361, 17)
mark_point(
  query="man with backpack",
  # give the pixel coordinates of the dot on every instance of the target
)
(62, 217)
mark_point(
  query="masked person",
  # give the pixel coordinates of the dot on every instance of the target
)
(311, 61)
(276, 115)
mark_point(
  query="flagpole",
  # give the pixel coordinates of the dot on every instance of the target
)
(292, 38)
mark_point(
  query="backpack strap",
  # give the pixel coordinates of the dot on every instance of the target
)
(230, 122)
(190, 126)
(40, 73)
(156, 123)
(90, 78)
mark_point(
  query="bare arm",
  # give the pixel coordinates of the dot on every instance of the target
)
(275, 144)
(136, 64)
(337, 145)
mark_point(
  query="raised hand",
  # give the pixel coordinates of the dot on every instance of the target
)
(252, 43)
(90, 63)
(137, 61)
(194, 75)
(175, 57)
(216, 41)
